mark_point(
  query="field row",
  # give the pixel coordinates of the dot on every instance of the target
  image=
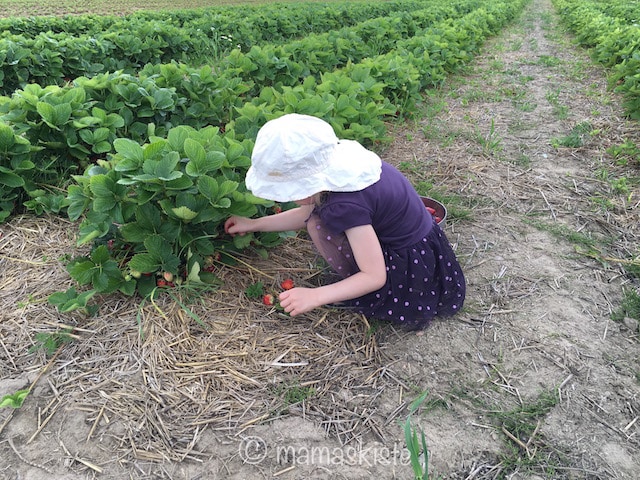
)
(610, 30)
(161, 152)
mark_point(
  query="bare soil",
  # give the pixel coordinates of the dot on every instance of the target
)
(532, 380)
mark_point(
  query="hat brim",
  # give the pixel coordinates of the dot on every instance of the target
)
(351, 168)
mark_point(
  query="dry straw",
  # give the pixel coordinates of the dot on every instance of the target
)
(166, 371)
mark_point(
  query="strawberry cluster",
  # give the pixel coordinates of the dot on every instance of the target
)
(269, 299)
(433, 212)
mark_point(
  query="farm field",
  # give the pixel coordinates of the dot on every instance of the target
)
(538, 377)
(27, 8)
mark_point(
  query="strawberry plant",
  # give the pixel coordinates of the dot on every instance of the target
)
(160, 208)
(71, 300)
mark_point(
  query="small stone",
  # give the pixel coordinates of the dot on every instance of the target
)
(631, 323)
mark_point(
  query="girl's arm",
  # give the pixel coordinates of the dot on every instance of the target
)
(293, 219)
(371, 277)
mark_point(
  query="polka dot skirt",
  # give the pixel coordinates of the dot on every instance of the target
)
(423, 281)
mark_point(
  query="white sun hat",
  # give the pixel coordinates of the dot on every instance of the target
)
(296, 156)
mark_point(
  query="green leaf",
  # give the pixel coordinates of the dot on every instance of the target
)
(242, 241)
(10, 179)
(194, 150)
(129, 149)
(177, 137)
(14, 400)
(226, 187)
(81, 270)
(100, 255)
(194, 274)
(54, 116)
(70, 300)
(184, 213)
(145, 263)
(208, 186)
(7, 138)
(156, 244)
(102, 186)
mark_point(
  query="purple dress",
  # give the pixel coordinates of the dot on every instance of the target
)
(424, 278)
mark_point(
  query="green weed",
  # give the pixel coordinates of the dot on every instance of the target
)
(491, 142)
(14, 400)
(563, 232)
(630, 306)
(625, 153)
(50, 342)
(521, 428)
(559, 110)
(295, 393)
(576, 138)
(549, 61)
(417, 442)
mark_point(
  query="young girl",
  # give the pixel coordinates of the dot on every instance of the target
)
(363, 216)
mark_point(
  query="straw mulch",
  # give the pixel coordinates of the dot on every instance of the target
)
(165, 371)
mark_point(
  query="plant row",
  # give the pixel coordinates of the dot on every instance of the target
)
(52, 56)
(154, 206)
(155, 211)
(69, 127)
(278, 20)
(614, 42)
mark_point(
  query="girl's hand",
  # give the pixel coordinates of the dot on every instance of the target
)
(238, 225)
(298, 300)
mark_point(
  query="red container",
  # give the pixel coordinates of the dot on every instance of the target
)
(441, 211)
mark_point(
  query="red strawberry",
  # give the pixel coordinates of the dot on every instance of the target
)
(161, 283)
(277, 209)
(287, 284)
(268, 299)
(432, 211)
(438, 219)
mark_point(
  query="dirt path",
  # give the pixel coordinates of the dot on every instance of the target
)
(532, 380)
(543, 362)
